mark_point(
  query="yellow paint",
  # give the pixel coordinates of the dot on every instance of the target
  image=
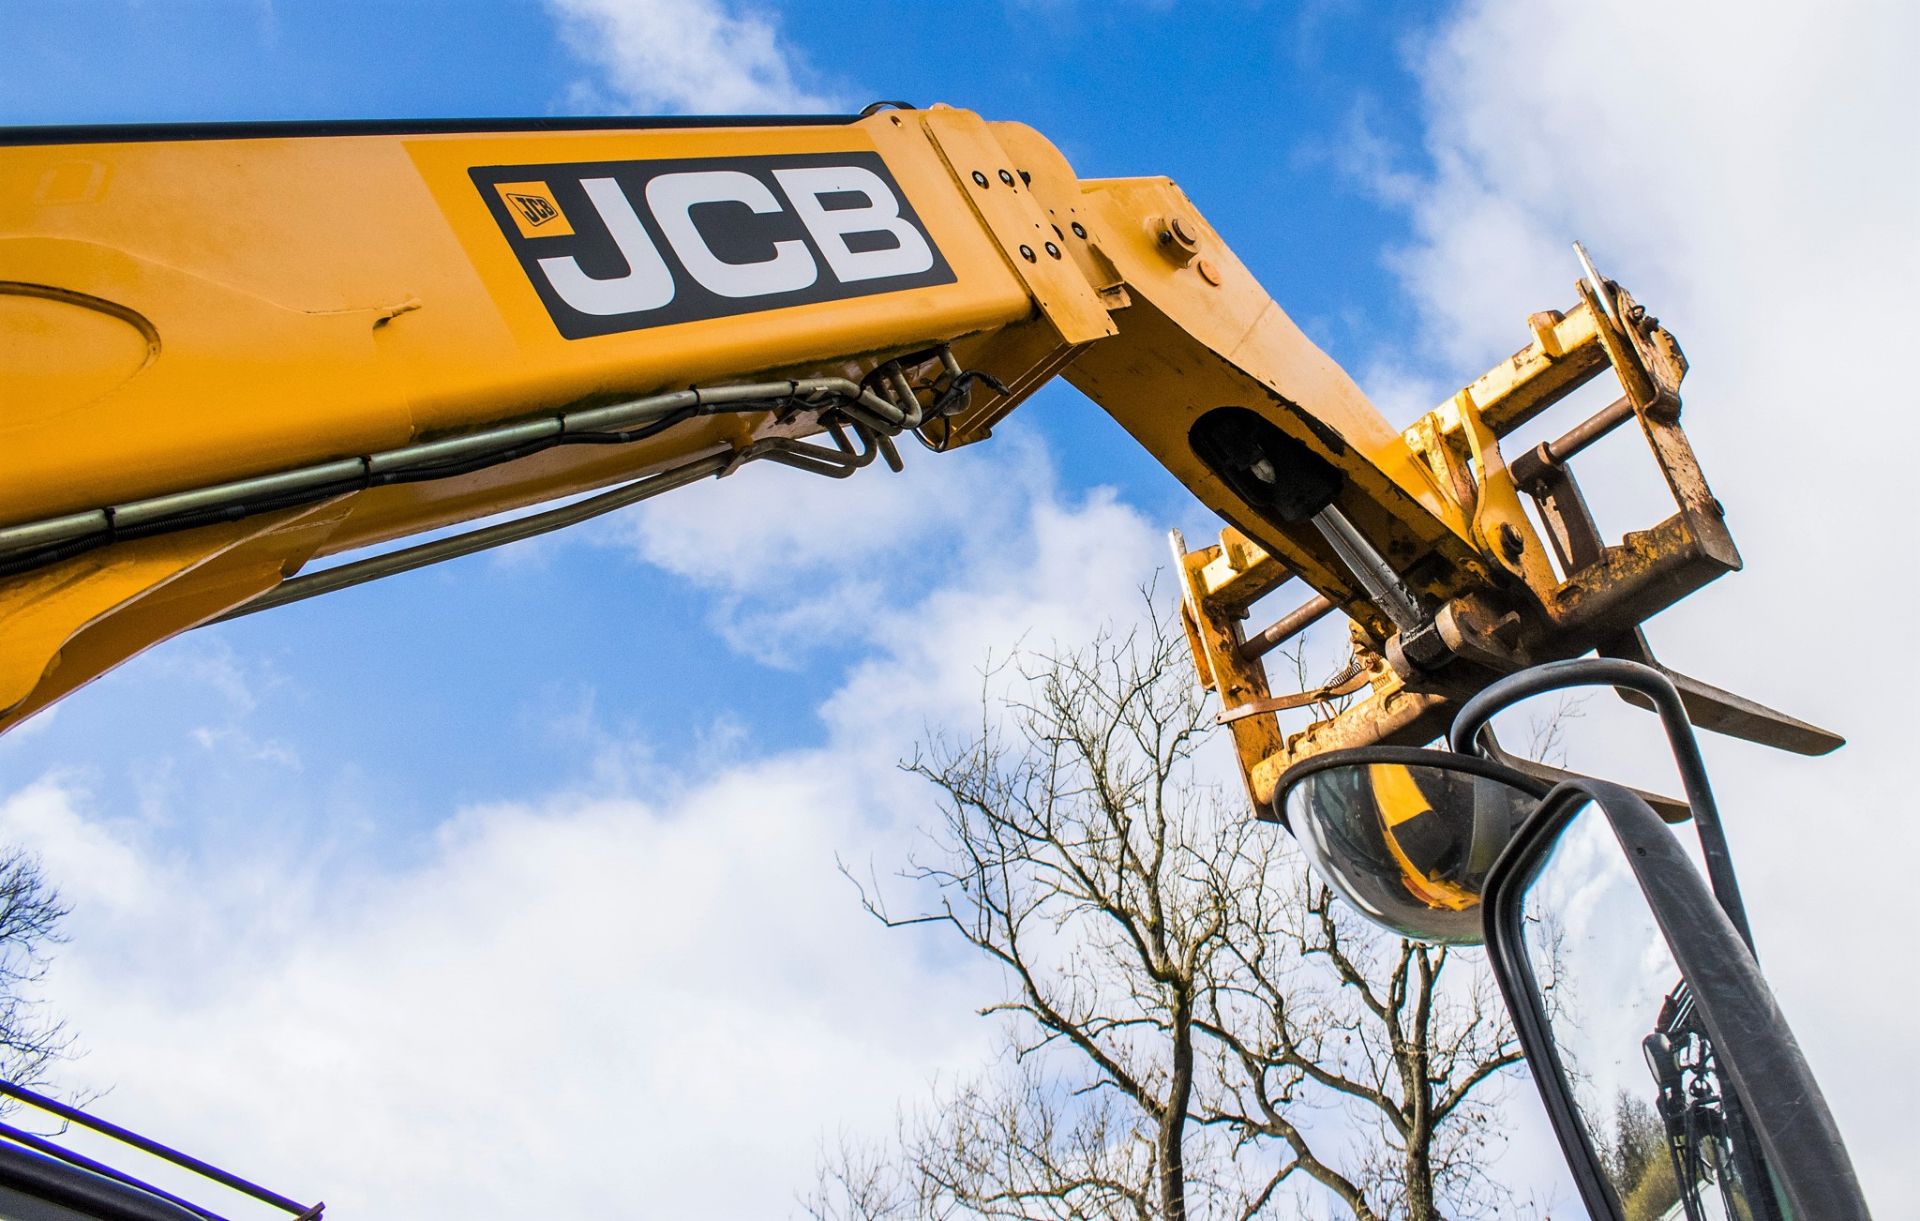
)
(534, 210)
(1399, 799)
(353, 294)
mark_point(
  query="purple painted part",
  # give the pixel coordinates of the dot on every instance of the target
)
(148, 1145)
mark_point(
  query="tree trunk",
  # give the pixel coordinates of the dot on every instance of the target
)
(1171, 1137)
(1419, 1169)
(1417, 1074)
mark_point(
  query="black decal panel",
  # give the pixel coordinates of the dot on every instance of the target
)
(713, 237)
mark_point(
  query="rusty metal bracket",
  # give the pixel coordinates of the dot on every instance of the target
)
(1549, 593)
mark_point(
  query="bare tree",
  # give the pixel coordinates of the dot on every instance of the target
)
(1015, 1142)
(860, 1182)
(1193, 1021)
(30, 914)
(1318, 1010)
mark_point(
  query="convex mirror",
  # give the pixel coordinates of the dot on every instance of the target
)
(1408, 836)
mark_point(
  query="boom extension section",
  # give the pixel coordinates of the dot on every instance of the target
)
(227, 353)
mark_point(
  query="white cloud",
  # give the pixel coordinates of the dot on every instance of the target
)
(89, 861)
(1749, 173)
(771, 525)
(239, 743)
(1053, 583)
(213, 665)
(667, 999)
(698, 56)
(797, 563)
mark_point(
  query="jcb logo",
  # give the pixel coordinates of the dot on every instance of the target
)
(624, 245)
(536, 210)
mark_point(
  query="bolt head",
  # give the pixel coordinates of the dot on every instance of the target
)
(1512, 546)
(1026, 252)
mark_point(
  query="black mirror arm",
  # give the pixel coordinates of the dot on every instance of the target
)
(1773, 1088)
(1479, 711)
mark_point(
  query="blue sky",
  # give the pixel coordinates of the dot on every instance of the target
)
(616, 767)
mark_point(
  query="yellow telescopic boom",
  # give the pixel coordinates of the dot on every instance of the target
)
(226, 353)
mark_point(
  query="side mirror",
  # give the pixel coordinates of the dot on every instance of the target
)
(1672, 1080)
(1407, 836)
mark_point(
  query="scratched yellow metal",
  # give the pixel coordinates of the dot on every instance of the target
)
(1214, 633)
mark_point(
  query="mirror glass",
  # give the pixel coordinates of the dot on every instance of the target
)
(1407, 844)
(1634, 1054)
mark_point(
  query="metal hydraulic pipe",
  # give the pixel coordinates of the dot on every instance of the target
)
(1382, 584)
(1285, 628)
(346, 576)
(1532, 465)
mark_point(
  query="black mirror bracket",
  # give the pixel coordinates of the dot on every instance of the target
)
(1478, 713)
(1780, 1101)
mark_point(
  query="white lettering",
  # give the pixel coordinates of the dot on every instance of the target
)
(647, 285)
(831, 228)
(672, 197)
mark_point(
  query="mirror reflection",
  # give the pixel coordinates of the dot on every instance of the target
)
(1407, 844)
(1637, 1060)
